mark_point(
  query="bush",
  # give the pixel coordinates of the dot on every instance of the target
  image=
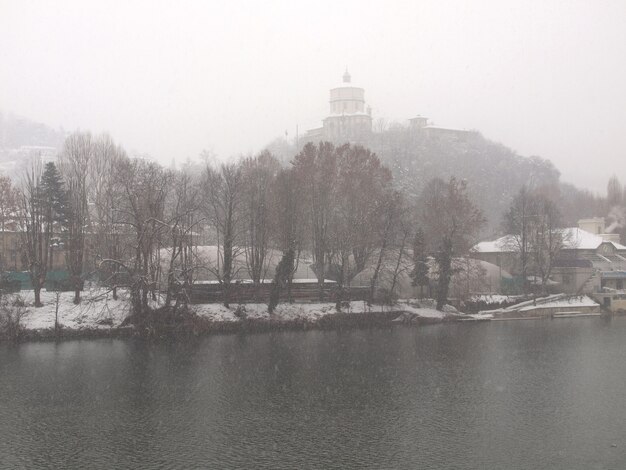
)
(240, 312)
(18, 301)
(11, 319)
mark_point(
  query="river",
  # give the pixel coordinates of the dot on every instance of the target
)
(525, 394)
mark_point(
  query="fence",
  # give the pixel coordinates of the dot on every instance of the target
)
(248, 292)
(14, 281)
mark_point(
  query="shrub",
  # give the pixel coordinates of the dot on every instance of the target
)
(240, 312)
(11, 319)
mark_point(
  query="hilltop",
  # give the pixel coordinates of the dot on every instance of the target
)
(493, 171)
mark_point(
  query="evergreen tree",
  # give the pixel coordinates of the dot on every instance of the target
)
(284, 271)
(54, 196)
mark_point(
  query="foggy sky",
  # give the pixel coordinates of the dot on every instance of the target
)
(172, 78)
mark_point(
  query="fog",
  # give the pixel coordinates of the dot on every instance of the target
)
(172, 78)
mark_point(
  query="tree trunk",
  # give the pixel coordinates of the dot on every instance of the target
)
(374, 279)
(396, 271)
(444, 260)
(37, 289)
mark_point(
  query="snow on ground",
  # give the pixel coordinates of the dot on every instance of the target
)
(479, 316)
(422, 312)
(555, 301)
(575, 301)
(490, 299)
(98, 310)
(306, 311)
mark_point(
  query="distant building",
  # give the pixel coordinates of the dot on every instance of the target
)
(349, 119)
(590, 262)
(596, 225)
(436, 132)
(418, 122)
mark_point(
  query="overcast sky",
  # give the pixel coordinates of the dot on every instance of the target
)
(172, 78)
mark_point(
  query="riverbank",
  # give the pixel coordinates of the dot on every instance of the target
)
(99, 315)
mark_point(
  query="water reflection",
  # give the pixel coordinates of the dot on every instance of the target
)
(489, 395)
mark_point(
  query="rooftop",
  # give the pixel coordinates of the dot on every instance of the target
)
(574, 239)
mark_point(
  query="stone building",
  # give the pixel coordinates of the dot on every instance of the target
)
(350, 120)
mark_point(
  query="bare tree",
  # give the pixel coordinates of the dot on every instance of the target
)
(258, 175)
(518, 223)
(74, 163)
(9, 208)
(145, 186)
(451, 222)
(402, 261)
(108, 237)
(614, 192)
(316, 172)
(222, 206)
(361, 199)
(419, 272)
(386, 232)
(181, 218)
(548, 240)
(36, 229)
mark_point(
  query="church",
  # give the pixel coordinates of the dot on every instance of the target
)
(349, 119)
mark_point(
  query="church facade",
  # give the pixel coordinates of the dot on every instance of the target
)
(349, 119)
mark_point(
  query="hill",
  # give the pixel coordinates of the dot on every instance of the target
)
(493, 171)
(16, 132)
(21, 138)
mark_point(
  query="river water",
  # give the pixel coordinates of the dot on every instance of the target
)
(527, 394)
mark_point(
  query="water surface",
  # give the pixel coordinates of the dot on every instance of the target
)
(532, 394)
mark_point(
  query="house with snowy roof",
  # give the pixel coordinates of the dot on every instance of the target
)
(589, 262)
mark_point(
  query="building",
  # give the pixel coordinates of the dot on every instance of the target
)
(591, 262)
(12, 254)
(418, 122)
(349, 119)
(446, 133)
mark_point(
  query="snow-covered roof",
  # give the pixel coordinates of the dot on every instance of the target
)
(574, 239)
(345, 114)
(346, 85)
(447, 129)
(502, 244)
(583, 240)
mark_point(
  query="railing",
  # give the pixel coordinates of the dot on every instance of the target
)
(248, 292)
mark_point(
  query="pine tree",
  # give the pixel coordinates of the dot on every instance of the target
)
(54, 196)
(284, 271)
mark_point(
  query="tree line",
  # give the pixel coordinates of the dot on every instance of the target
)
(535, 220)
(138, 224)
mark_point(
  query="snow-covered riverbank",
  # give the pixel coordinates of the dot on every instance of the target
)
(99, 312)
